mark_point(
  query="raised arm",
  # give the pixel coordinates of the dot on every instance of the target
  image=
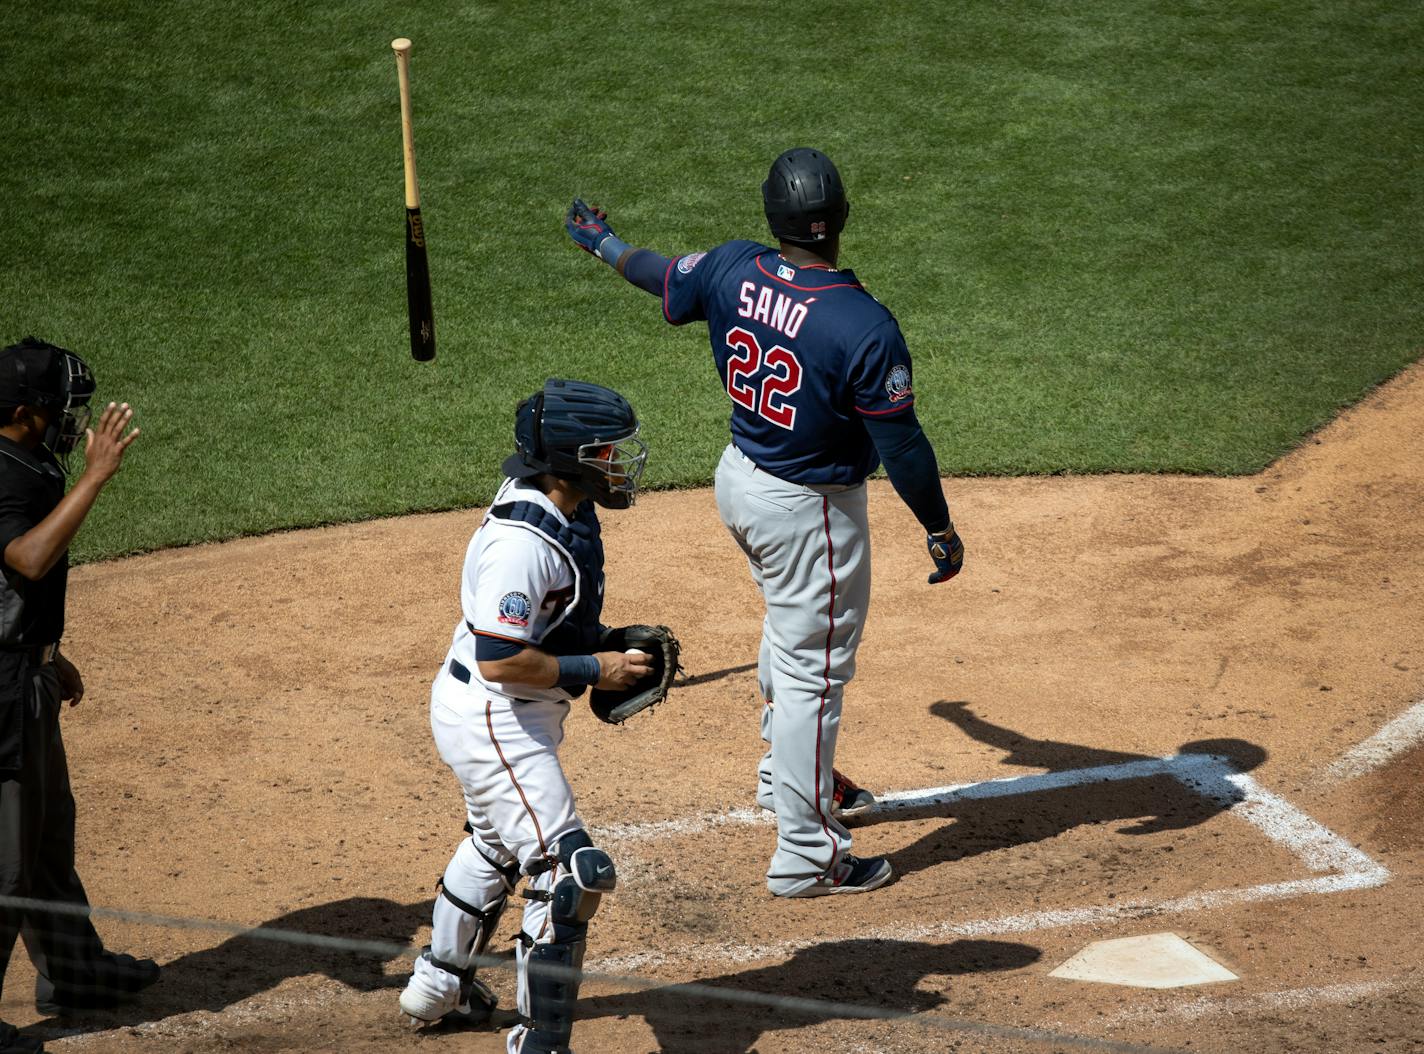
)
(588, 227)
(36, 551)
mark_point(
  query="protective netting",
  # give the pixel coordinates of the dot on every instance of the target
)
(277, 953)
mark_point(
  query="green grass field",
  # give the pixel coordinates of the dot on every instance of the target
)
(1118, 235)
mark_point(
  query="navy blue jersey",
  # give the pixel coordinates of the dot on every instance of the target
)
(805, 353)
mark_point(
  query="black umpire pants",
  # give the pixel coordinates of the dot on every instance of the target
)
(37, 833)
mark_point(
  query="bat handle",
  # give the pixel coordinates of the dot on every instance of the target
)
(401, 46)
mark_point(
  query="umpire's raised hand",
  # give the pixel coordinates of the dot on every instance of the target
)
(106, 442)
(40, 548)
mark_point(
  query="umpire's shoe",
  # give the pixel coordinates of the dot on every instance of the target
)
(851, 875)
(109, 980)
(11, 1042)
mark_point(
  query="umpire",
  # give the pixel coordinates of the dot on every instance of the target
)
(44, 413)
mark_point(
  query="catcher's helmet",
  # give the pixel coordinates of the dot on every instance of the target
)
(581, 432)
(804, 197)
(37, 373)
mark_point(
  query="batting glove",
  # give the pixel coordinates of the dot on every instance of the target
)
(947, 552)
(589, 229)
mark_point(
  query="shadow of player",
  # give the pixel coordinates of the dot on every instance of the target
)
(243, 966)
(884, 974)
(1180, 792)
(715, 675)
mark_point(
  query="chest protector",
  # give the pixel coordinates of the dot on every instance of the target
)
(580, 542)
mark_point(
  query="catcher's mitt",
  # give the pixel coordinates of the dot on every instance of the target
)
(615, 707)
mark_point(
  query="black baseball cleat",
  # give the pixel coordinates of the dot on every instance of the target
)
(11, 1042)
(110, 980)
(849, 799)
(851, 875)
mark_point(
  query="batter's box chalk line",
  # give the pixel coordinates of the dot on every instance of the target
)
(1401, 734)
(1337, 866)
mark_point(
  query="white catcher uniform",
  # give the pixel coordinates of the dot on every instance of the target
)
(521, 586)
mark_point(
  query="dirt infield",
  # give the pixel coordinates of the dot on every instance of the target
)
(254, 748)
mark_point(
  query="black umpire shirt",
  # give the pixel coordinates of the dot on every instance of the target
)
(31, 613)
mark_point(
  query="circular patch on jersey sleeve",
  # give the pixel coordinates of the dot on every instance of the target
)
(897, 383)
(687, 263)
(514, 609)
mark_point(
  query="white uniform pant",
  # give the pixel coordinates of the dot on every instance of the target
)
(505, 754)
(809, 551)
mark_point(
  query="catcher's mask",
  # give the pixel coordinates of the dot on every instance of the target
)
(583, 433)
(804, 198)
(36, 373)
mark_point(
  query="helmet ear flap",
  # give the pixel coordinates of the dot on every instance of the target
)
(529, 428)
(537, 414)
(529, 456)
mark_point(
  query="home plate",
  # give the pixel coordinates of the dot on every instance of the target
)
(1155, 960)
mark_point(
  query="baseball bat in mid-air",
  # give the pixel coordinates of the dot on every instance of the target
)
(417, 265)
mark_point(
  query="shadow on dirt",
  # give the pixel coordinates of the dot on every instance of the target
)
(884, 974)
(241, 966)
(1084, 785)
(715, 675)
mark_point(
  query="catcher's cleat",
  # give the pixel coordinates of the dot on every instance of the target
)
(852, 875)
(848, 799)
(436, 995)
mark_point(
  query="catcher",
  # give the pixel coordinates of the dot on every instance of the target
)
(528, 642)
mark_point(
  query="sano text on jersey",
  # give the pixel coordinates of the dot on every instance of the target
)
(766, 305)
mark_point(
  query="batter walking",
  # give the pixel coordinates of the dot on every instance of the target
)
(820, 381)
(529, 641)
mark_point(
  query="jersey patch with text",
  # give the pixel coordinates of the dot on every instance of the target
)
(514, 609)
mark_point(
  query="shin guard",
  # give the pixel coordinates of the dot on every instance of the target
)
(562, 901)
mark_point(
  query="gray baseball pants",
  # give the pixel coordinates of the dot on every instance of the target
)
(809, 551)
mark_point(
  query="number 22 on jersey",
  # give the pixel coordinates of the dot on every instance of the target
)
(769, 397)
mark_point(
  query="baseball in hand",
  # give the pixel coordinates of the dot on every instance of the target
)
(639, 654)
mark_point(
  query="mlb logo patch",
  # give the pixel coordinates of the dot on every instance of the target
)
(514, 609)
(687, 263)
(782, 271)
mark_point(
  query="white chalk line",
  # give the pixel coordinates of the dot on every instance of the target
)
(897, 801)
(1340, 866)
(685, 825)
(1379, 749)
(1286, 999)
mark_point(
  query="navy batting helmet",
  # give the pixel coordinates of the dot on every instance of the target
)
(37, 373)
(581, 432)
(804, 197)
